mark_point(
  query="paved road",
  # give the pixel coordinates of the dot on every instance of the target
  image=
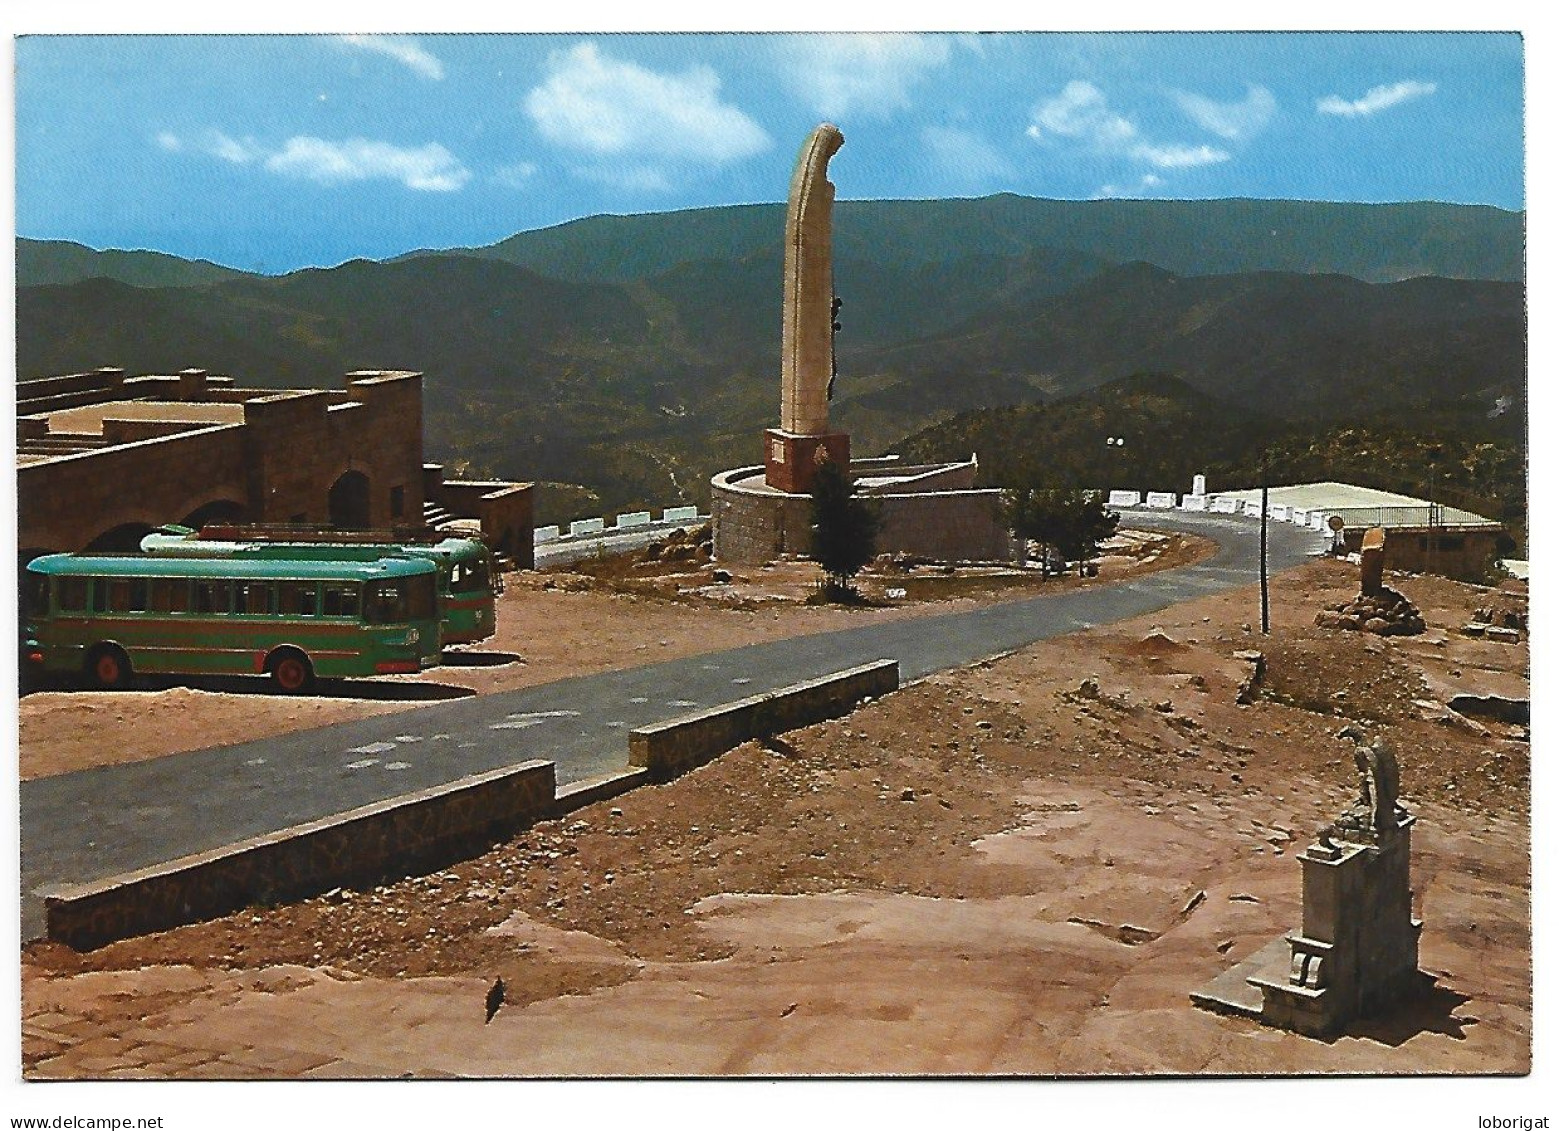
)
(94, 823)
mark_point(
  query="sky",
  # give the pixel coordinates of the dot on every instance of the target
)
(274, 152)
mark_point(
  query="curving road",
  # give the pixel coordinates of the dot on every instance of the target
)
(94, 823)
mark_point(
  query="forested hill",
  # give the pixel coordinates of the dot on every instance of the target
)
(634, 356)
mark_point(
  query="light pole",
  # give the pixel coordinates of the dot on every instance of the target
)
(1434, 459)
(1115, 444)
(1266, 623)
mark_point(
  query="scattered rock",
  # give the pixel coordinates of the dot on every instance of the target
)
(1387, 613)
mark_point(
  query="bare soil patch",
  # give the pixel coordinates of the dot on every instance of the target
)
(1021, 867)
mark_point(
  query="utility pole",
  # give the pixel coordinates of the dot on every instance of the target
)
(1266, 623)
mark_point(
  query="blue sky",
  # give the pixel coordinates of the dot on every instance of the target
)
(273, 152)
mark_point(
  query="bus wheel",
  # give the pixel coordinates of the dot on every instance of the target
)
(108, 666)
(292, 672)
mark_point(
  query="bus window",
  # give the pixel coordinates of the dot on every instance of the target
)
(341, 598)
(72, 594)
(256, 598)
(298, 598)
(35, 594)
(212, 596)
(422, 598)
(386, 603)
(170, 595)
(120, 595)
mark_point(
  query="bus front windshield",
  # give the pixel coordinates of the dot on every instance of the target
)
(401, 600)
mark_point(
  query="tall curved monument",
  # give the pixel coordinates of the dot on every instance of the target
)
(762, 512)
(802, 441)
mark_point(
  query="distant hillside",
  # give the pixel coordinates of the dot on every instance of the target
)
(1166, 432)
(635, 391)
(1318, 346)
(42, 262)
(1373, 242)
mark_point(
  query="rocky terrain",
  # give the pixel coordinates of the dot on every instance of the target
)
(1023, 867)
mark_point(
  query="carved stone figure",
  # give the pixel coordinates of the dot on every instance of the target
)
(1376, 814)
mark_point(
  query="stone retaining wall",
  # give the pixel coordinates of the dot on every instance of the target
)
(752, 524)
(424, 830)
(670, 748)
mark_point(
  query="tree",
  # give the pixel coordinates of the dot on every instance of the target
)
(844, 531)
(1086, 522)
(1070, 523)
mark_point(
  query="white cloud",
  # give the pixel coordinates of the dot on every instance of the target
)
(428, 168)
(1375, 99)
(1147, 183)
(1178, 156)
(403, 49)
(1231, 120)
(517, 175)
(218, 144)
(606, 108)
(842, 74)
(965, 158)
(1081, 113)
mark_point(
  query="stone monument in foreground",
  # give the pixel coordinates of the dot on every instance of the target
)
(794, 450)
(1356, 950)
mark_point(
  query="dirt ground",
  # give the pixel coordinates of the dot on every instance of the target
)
(599, 615)
(1023, 867)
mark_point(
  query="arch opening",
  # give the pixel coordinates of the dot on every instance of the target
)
(348, 502)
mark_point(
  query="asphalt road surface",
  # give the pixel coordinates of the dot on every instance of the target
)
(95, 823)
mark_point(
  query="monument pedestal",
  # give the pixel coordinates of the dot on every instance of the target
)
(1356, 951)
(791, 460)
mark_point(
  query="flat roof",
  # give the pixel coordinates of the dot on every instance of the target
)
(89, 418)
(1365, 504)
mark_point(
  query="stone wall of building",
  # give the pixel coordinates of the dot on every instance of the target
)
(277, 466)
(65, 503)
(506, 511)
(1462, 553)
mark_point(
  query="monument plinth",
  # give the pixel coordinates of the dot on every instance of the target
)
(1356, 951)
(790, 461)
(794, 450)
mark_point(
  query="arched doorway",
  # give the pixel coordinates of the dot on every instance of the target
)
(216, 511)
(122, 539)
(349, 501)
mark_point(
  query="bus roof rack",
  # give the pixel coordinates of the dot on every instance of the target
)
(313, 532)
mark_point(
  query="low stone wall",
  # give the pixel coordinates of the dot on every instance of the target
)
(950, 526)
(752, 524)
(423, 830)
(670, 748)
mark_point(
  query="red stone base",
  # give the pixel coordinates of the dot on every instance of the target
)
(790, 461)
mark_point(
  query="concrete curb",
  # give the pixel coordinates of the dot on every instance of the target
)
(427, 829)
(670, 748)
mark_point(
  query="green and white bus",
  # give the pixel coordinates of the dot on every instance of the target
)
(468, 582)
(108, 616)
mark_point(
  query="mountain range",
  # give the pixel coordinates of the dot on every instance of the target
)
(632, 356)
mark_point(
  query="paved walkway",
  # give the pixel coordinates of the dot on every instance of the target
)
(94, 823)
